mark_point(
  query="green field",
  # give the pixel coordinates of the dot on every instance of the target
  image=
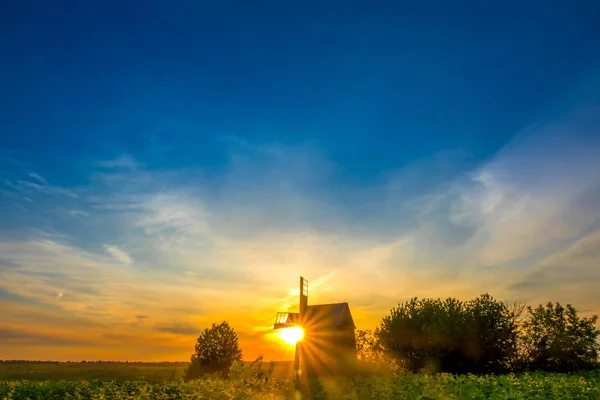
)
(119, 371)
(158, 381)
(91, 371)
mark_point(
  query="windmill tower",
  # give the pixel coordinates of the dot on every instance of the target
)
(290, 320)
(329, 343)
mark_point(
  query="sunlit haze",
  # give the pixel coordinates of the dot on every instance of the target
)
(165, 167)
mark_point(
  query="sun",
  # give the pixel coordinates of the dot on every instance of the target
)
(291, 335)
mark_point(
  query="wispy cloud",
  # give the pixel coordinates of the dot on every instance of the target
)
(123, 161)
(78, 213)
(24, 337)
(27, 187)
(38, 178)
(179, 329)
(118, 254)
(537, 193)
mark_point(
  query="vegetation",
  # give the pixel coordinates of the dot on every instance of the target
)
(245, 383)
(481, 336)
(556, 339)
(217, 347)
(119, 371)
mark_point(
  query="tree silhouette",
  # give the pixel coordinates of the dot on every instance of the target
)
(557, 339)
(479, 336)
(216, 348)
(496, 326)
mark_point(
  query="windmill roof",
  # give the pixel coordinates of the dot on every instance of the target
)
(335, 314)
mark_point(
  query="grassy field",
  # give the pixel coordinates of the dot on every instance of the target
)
(90, 371)
(157, 381)
(113, 371)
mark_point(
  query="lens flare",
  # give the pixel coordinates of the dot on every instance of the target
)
(291, 335)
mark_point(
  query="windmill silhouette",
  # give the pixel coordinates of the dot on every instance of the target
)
(329, 344)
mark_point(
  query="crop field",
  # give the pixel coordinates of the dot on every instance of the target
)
(244, 383)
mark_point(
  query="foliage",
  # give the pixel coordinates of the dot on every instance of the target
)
(245, 384)
(250, 373)
(483, 336)
(419, 333)
(216, 348)
(556, 339)
(370, 357)
(449, 335)
(366, 346)
(496, 333)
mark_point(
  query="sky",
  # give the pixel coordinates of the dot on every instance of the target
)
(169, 165)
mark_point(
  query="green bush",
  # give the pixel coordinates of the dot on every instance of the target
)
(216, 349)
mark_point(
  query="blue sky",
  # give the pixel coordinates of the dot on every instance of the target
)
(162, 163)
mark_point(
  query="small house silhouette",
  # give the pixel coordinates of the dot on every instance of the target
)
(329, 343)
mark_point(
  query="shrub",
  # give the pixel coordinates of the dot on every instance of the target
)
(216, 349)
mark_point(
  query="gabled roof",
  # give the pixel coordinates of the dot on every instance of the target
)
(336, 314)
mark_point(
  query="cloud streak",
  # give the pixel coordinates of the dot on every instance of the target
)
(118, 254)
(123, 161)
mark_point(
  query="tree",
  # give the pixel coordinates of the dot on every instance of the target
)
(449, 335)
(370, 358)
(496, 326)
(217, 347)
(557, 339)
(366, 346)
(424, 333)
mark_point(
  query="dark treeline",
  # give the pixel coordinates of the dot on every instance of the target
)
(480, 336)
